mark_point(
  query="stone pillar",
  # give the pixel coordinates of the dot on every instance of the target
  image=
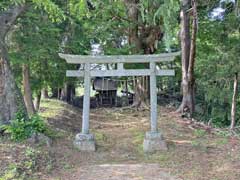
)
(153, 98)
(85, 141)
(153, 140)
(86, 99)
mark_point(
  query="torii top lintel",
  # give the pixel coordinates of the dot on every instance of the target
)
(82, 59)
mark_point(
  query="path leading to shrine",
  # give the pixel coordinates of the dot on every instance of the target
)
(121, 172)
(194, 153)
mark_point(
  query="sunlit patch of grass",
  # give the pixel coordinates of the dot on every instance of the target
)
(51, 108)
(10, 173)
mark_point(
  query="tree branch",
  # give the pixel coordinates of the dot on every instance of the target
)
(8, 18)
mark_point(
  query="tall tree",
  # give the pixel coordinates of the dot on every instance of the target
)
(217, 63)
(188, 45)
(148, 23)
(11, 99)
(234, 102)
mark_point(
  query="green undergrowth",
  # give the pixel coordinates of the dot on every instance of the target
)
(26, 167)
(27, 162)
(21, 128)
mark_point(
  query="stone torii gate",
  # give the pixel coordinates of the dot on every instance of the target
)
(153, 140)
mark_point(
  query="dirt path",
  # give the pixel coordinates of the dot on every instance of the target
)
(121, 172)
(194, 154)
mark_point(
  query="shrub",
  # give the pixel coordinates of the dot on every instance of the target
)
(21, 128)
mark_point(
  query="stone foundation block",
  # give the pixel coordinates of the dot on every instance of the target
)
(153, 142)
(85, 142)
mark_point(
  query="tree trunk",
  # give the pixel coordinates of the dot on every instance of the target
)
(37, 101)
(11, 100)
(45, 93)
(133, 39)
(54, 93)
(141, 94)
(59, 93)
(234, 102)
(132, 12)
(188, 45)
(68, 92)
(27, 92)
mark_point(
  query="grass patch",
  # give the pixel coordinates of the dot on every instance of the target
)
(138, 137)
(100, 137)
(199, 133)
(51, 108)
(27, 165)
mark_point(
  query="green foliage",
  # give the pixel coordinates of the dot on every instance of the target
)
(217, 61)
(39, 34)
(27, 165)
(55, 13)
(21, 128)
(36, 42)
(78, 8)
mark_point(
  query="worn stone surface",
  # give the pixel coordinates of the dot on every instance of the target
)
(153, 142)
(121, 172)
(85, 142)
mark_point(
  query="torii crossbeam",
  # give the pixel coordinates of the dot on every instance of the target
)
(153, 140)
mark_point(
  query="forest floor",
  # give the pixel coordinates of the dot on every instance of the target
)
(194, 153)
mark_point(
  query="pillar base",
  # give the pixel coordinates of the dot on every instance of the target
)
(153, 142)
(85, 142)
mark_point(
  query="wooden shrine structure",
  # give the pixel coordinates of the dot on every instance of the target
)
(106, 91)
(153, 139)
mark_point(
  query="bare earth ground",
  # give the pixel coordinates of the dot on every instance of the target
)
(194, 154)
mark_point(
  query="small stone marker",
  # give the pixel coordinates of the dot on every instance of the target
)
(85, 142)
(153, 140)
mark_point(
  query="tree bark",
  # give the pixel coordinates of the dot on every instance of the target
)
(11, 100)
(8, 18)
(37, 101)
(234, 102)
(133, 39)
(132, 12)
(27, 92)
(45, 93)
(68, 92)
(188, 46)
